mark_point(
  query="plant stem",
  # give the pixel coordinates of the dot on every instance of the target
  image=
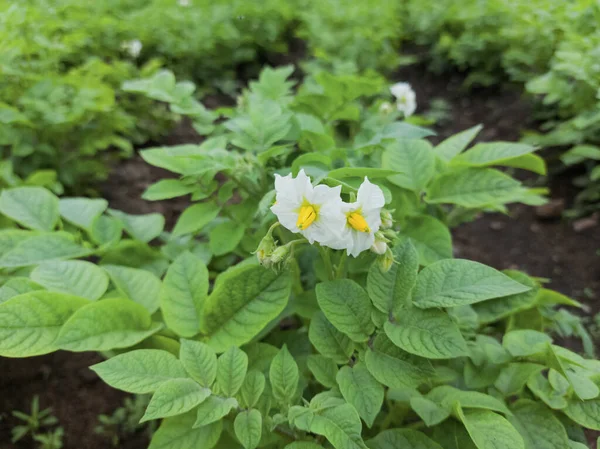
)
(326, 256)
(341, 267)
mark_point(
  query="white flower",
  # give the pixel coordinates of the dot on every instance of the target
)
(314, 212)
(133, 47)
(406, 99)
(379, 247)
(363, 220)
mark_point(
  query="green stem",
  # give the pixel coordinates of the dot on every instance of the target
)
(341, 267)
(326, 256)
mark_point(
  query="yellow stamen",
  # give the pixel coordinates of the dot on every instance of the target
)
(357, 221)
(306, 216)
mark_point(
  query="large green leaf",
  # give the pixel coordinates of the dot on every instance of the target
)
(82, 212)
(225, 237)
(538, 426)
(141, 227)
(200, 361)
(328, 340)
(394, 367)
(324, 369)
(284, 376)
(493, 153)
(248, 428)
(175, 397)
(431, 238)
(402, 438)
(340, 425)
(30, 323)
(430, 412)
(43, 248)
(347, 306)
(525, 342)
(361, 390)
(213, 409)
(232, 367)
(585, 413)
(457, 282)
(184, 292)
(427, 333)
(138, 285)
(474, 188)
(166, 189)
(141, 371)
(514, 376)
(415, 161)
(252, 388)
(106, 230)
(251, 295)
(390, 290)
(195, 217)
(75, 277)
(107, 324)
(488, 430)
(454, 145)
(178, 433)
(31, 207)
(17, 286)
(448, 397)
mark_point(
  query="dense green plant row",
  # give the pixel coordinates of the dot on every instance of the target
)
(352, 326)
(63, 64)
(549, 46)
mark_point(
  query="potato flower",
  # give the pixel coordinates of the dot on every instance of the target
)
(363, 220)
(314, 212)
(406, 99)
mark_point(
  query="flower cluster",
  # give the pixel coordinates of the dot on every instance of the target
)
(320, 215)
(406, 99)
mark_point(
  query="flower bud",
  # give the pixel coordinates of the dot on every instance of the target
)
(386, 260)
(266, 248)
(386, 108)
(379, 247)
(279, 255)
(387, 221)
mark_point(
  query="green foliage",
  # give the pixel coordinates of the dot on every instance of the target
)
(34, 422)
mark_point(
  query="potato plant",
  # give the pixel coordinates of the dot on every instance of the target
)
(308, 296)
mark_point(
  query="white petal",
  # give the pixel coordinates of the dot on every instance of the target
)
(361, 241)
(370, 196)
(286, 215)
(373, 219)
(400, 89)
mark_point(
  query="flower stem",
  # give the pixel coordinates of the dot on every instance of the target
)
(341, 266)
(326, 256)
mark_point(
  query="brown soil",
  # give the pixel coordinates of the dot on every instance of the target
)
(545, 248)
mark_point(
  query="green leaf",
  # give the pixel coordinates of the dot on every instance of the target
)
(199, 360)
(141, 371)
(457, 282)
(106, 230)
(538, 426)
(231, 370)
(427, 333)
(195, 217)
(474, 188)
(402, 438)
(454, 145)
(74, 277)
(362, 391)
(140, 286)
(328, 340)
(303, 445)
(31, 207)
(448, 397)
(414, 160)
(523, 343)
(431, 238)
(175, 397)
(43, 248)
(360, 172)
(390, 291)
(514, 376)
(394, 367)
(249, 294)
(451, 434)
(583, 387)
(213, 409)
(324, 369)
(585, 413)
(183, 294)
(178, 433)
(284, 376)
(347, 306)
(493, 153)
(225, 237)
(541, 387)
(82, 212)
(248, 428)
(252, 388)
(531, 162)
(166, 189)
(141, 227)
(30, 323)
(17, 286)
(107, 324)
(489, 430)
(340, 425)
(430, 412)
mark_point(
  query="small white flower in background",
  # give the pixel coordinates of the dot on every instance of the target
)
(406, 99)
(314, 212)
(133, 47)
(184, 2)
(363, 219)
